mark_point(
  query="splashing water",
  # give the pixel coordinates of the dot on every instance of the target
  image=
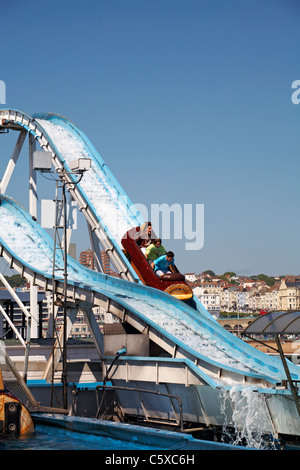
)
(245, 411)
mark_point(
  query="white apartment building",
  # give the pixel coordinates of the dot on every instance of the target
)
(243, 301)
(251, 301)
(269, 300)
(224, 300)
(248, 300)
(254, 302)
(229, 299)
(209, 298)
(191, 277)
(289, 295)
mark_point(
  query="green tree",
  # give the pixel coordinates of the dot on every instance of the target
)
(209, 272)
(269, 280)
(15, 280)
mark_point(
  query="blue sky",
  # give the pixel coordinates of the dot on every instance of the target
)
(187, 101)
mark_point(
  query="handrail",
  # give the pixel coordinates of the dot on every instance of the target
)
(142, 390)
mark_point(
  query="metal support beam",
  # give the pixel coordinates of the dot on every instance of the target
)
(33, 211)
(32, 179)
(52, 318)
(58, 346)
(12, 162)
(34, 310)
(6, 316)
(28, 320)
(288, 375)
(93, 327)
(143, 390)
(98, 265)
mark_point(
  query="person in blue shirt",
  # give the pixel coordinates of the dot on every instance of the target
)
(162, 264)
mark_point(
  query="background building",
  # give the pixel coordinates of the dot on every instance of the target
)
(239, 294)
(87, 259)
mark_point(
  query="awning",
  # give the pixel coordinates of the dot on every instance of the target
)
(275, 323)
(278, 323)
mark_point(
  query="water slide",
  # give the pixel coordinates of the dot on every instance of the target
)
(31, 249)
(217, 356)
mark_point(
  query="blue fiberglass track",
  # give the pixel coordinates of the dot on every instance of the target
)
(193, 329)
(98, 185)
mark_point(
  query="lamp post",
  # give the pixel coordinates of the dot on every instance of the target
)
(43, 161)
(64, 371)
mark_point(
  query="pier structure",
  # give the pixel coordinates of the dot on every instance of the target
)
(167, 361)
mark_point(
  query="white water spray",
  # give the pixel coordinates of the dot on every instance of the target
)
(245, 411)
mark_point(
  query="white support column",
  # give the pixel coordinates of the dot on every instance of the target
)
(98, 266)
(71, 218)
(12, 326)
(14, 295)
(12, 162)
(53, 310)
(57, 353)
(26, 343)
(93, 327)
(32, 179)
(1, 326)
(34, 309)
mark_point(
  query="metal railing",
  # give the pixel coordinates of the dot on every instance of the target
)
(141, 390)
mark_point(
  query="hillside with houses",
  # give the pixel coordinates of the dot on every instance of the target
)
(242, 294)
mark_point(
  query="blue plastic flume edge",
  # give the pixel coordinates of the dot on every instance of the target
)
(150, 437)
